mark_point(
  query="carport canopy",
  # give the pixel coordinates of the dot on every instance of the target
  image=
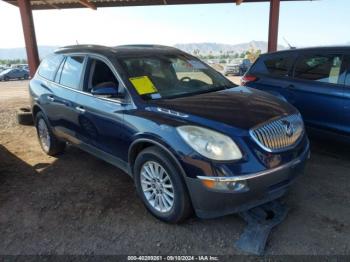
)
(26, 7)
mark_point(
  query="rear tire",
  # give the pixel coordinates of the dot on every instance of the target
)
(166, 185)
(48, 141)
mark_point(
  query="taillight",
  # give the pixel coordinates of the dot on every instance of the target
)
(248, 78)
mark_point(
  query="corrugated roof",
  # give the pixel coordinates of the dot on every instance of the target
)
(63, 4)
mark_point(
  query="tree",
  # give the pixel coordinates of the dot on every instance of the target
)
(252, 54)
(196, 52)
(12, 61)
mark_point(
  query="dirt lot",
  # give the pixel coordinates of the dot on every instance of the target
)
(77, 204)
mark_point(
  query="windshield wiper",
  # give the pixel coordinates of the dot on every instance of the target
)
(213, 89)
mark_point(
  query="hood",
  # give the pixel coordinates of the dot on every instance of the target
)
(240, 107)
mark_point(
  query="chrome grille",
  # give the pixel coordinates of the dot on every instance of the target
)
(280, 134)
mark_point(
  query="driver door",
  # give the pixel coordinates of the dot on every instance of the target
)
(100, 120)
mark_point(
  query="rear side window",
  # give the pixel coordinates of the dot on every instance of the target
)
(48, 66)
(71, 71)
(347, 68)
(275, 65)
(321, 68)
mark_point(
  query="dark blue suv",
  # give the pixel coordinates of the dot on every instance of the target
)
(314, 80)
(189, 138)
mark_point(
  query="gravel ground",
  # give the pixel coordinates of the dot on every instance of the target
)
(77, 204)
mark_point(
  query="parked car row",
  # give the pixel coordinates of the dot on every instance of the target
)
(314, 80)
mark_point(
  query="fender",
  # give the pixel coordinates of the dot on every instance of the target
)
(162, 145)
(277, 94)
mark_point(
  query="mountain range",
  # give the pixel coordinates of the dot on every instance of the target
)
(217, 48)
(203, 48)
(20, 52)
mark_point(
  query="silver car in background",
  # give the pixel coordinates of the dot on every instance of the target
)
(237, 67)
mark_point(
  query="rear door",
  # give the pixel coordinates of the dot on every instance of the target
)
(346, 115)
(61, 108)
(272, 73)
(318, 89)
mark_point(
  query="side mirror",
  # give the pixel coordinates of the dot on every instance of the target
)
(105, 91)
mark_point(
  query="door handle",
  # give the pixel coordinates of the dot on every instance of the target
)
(80, 109)
(290, 86)
(51, 98)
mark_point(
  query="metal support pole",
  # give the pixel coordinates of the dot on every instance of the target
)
(29, 35)
(273, 25)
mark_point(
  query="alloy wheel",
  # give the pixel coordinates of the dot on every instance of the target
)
(157, 186)
(44, 135)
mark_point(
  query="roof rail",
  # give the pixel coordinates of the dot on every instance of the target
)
(81, 46)
(147, 45)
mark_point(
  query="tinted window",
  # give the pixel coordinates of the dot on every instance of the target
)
(347, 79)
(71, 71)
(276, 65)
(48, 66)
(322, 68)
(346, 66)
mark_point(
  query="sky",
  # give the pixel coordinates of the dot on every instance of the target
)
(307, 23)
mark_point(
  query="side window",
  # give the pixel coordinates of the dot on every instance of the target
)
(48, 66)
(59, 72)
(274, 65)
(321, 68)
(99, 75)
(347, 70)
(71, 71)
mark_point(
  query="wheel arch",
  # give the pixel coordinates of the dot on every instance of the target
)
(35, 110)
(140, 144)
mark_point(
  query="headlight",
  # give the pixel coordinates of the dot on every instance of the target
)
(209, 143)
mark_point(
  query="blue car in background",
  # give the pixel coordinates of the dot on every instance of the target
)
(190, 138)
(14, 73)
(314, 80)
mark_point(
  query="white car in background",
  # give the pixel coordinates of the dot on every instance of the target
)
(237, 67)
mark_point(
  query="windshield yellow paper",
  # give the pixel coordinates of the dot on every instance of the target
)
(143, 85)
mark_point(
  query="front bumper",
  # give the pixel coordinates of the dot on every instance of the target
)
(262, 187)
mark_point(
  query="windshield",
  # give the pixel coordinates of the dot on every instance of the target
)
(5, 71)
(171, 75)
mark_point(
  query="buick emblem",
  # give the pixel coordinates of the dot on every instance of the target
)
(288, 128)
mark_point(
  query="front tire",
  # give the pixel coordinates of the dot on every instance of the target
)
(160, 186)
(48, 141)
